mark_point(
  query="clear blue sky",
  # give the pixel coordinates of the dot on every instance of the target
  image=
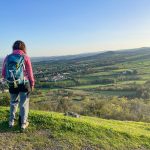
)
(60, 27)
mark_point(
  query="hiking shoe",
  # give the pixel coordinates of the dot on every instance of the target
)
(11, 123)
(24, 125)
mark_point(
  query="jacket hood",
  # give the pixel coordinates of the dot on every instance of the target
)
(17, 51)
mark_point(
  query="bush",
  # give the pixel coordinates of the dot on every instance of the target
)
(143, 91)
(119, 109)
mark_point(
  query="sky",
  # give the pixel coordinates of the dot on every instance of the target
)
(62, 27)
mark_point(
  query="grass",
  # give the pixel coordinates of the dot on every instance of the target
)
(117, 93)
(86, 86)
(56, 131)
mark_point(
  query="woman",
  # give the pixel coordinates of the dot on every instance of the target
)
(19, 92)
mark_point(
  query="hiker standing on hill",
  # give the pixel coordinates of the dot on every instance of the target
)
(17, 71)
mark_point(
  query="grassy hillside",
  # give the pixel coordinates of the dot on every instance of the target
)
(49, 130)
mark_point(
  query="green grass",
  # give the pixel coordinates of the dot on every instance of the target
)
(87, 86)
(117, 93)
(56, 131)
(82, 90)
(139, 82)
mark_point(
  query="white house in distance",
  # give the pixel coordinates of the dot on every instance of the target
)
(58, 77)
(130, 71)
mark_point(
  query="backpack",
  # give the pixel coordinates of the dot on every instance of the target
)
(14, 70)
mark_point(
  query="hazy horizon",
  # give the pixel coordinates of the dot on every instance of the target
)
(84, 53)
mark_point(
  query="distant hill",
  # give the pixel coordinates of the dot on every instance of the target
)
(58, 58)
(139, 52)
(65, 57)
(93, 55)
(143, 52)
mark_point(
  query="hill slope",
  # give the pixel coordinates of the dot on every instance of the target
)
(49, 130)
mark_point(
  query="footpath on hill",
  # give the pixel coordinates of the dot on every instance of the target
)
(54, 131)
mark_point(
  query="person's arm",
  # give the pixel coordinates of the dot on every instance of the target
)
(29, 70)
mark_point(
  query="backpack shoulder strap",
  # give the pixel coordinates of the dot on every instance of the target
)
(23, 58)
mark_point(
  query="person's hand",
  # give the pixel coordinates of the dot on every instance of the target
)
(32, 88)
(3, 81)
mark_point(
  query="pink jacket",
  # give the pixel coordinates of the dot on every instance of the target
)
(28, 67)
